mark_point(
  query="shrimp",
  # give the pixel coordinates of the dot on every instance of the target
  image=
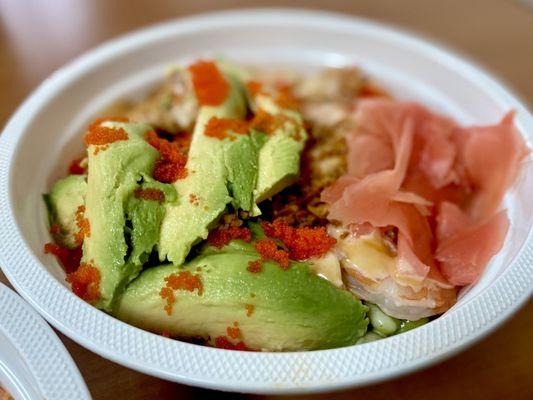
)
(368, 263)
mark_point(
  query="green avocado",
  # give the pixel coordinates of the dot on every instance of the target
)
(241, 160)
(144, 218)
(63, 201)
(204, 192)
(291, 310)
(279, 157)
(118, 222)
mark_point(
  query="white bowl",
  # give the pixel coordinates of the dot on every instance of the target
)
(45, 134)
(34, 364)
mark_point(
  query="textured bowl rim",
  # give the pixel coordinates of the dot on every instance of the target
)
(41, 350)
(241, 371)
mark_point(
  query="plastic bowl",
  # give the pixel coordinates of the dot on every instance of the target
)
(45, 133)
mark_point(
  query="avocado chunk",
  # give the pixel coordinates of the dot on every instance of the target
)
(275, 309)
(144, 216)
(63, 201)
(204, 192)
(114, 174)
(279, 157)
(241, 160)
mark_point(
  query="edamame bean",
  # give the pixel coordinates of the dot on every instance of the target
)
(381, 322)
(369, 337)
(407, 325)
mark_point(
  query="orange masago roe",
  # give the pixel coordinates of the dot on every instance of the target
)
(68, 258)
(184, 280)
(172, 164)
(99, 135)
(220, 128)
(209, 84)
(268, 249)
(303, 243)
(150, 194)
(220, 237)
(85, 282)
(84, 228)
(222, 342)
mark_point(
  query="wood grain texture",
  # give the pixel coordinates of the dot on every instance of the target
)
(38, 36)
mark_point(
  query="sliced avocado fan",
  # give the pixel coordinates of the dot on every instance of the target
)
(242, 171)
(274, 310)
(279, 158)
(124, 227)
(204, 192)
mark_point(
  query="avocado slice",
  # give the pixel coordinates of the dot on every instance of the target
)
(63, 201)
(279, 157)
(113, 176)
(204, 192)
(241, 161)
(145, 217)
(293, 309)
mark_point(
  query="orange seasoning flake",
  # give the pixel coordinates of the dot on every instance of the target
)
(184, 280)
(99, 135)
(85, 282)
(220, 128)
(268, 249)
(150, 194)
(221, 237)
(303, 243)
(209, 84)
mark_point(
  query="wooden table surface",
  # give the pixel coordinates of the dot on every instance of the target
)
(38, 36)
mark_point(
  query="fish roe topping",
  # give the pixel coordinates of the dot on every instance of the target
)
(194, 199)
(76, 168)
(55, 229)
(209, 84)
(150, 194)
(68, 258)
(99, 135)
(85, 282)
(171, 166)
(222, 342)
(255, 266)
(84, 228)
(221, 237)
(184, 280)
(303, 243)
(183, 141)
(268, 123)
(285, 98)
(268, 249)
(220, 128)
(100, 148)
(250, 308)
(233, 331)
(167, 294)
(254, 87)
